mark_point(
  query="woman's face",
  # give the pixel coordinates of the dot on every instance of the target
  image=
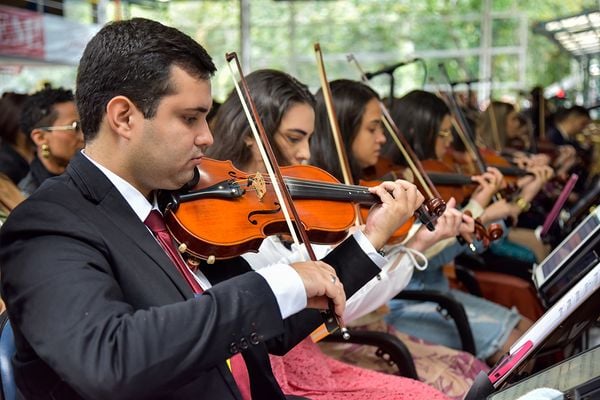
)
(62, 143)
(370, 137)
(293, 135)
(512, 125)
(443, 139)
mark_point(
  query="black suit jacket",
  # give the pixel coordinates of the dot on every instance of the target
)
(100, 312)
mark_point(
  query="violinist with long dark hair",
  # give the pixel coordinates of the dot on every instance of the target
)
(101, 303)
(425, 119)
(288, 115)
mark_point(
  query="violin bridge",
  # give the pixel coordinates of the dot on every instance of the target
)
(258, 184)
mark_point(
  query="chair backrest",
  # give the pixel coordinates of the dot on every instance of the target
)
(7, 351)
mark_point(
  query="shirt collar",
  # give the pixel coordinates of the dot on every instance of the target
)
(136, 200)
(562, 132)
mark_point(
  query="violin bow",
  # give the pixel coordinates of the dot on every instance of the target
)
(459, 122)
(494, 126)
(462, 127)
(331, 320)
(434, 206)
(334, 123)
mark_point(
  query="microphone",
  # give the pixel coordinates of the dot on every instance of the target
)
(391, 68)
(466, 82)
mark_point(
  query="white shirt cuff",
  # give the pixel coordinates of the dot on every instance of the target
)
(368, 249)
(287, 286)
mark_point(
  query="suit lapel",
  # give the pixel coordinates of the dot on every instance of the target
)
(96, 187)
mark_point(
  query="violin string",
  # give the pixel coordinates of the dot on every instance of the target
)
(266, 159)
(304, 183)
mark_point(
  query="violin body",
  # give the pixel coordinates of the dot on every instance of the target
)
(234, 211)
(447, 182)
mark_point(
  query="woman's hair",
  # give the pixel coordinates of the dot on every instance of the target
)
(418, 115)
(494, 117)
(11, 105)
(274, 93)
(350, 99)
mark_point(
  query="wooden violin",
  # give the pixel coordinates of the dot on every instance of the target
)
(422, 213)
(248, 209)
(449, 184)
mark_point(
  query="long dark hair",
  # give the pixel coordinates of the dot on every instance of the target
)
(274, 93)
(134, 58)
(418, 115)
(495, 117)
(11, 105)
(350, 99)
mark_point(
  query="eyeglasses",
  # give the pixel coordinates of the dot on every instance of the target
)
(445, 133)
(75, 127)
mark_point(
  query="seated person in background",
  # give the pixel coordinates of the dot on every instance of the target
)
(359, 116)
(101, 303)
(287, 112)
(567, 124)
(425, 121)
(50, 119)
(16, 149)
(10, 197)
(498, 123)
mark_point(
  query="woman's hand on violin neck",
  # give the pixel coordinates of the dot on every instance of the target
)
(531, 185)
(321, 284)
(451, 223)
(399, 201)
(567, 158)
(490, 183)
(542, 159)
(500, 210)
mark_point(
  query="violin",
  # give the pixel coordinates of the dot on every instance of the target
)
(422, 213)
(447, 183)
(463, 162)
(508, 169)
(248, 209)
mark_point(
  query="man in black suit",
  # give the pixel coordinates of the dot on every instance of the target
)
(568, 123)
(98, 308)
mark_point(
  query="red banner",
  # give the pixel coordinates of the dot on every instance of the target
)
(21, 33)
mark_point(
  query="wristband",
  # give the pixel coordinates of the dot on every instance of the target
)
(523, 204)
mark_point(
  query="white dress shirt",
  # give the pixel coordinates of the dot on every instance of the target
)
(284, 281)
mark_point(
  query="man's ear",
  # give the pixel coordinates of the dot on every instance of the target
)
(122, 116)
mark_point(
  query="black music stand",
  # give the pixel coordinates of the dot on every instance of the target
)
(562, 324)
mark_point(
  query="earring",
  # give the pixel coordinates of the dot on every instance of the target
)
(45, 151)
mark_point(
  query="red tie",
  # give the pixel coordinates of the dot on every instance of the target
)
(155, 223)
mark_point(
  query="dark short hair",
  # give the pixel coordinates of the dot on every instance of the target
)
(350, 99)
(274, 93)
(576, 110)
(133, 58)
(39, 110)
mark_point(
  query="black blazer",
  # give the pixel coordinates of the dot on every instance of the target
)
(99, 312)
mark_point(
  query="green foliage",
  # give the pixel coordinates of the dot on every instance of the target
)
(378, 32)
